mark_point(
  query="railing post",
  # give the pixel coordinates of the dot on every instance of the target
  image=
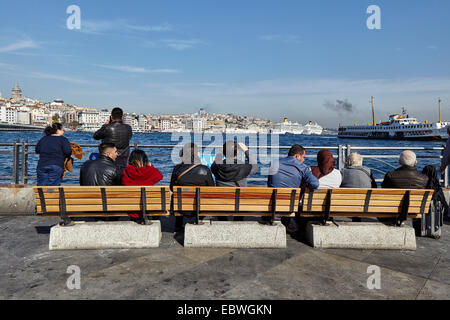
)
(446, 177)
(24, 178)
(348, 151)
(341, 161)
(16, 159)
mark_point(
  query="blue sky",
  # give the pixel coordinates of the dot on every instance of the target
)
(261, 58)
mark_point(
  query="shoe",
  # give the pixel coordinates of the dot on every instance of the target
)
(292, 227)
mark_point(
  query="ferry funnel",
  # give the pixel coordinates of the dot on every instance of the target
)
(373, 112)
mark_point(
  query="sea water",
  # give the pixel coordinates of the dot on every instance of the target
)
(165, 159)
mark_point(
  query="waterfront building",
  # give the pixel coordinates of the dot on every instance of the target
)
(71, 116)
(103, 116)
(23, 117)
(164, 124)
(3, 113)
(195, 124)
(11, 115)
(88, 120)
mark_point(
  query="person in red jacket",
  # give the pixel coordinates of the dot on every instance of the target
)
(140, 172)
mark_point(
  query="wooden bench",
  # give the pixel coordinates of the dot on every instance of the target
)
(233, 201)
(324, 204)
(398, 204)
(115, 201)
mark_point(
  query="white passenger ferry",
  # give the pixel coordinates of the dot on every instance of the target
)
(399, 127)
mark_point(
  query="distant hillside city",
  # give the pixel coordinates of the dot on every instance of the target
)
(19, 110)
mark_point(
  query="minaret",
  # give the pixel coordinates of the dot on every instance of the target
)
(16, 92)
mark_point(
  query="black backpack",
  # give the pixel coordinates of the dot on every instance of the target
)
(430, 224)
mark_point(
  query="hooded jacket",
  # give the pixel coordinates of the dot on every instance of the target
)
(141, 176)
(118, 133)
(233, 174)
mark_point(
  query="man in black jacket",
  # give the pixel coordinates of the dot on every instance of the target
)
(102, 171)
(118, 133)
(407, 176)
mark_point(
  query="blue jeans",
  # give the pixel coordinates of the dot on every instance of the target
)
(49, 175)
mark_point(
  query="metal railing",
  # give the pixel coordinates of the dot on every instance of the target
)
(21, 152)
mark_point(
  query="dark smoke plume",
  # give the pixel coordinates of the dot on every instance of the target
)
(341, 106)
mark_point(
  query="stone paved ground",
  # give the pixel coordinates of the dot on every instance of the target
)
(28, 270)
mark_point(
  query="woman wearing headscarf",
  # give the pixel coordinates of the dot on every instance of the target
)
(328, 176)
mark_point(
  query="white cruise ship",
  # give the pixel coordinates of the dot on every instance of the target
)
(287, 127)
(312, 128)
(399, 127)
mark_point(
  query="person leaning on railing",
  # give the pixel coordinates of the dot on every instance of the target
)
(53, 149)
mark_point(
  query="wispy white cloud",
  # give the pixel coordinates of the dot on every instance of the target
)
(137, 69)
(432, 47)
(7, 66)
(70, 79)
(120, 25)
(160, 28)
(176, 44)
(19, 45)
(288, 38)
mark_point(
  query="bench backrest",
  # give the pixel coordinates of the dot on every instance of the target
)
(338, 202)
(366, 202)
(239, 201)
(102, 201)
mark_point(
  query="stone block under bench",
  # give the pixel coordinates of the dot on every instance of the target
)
(235, 234)
(105, 235)
(361, 235)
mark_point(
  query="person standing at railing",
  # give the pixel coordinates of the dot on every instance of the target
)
(53, 149)
(116, 132)
(328, 176)
(291, 172)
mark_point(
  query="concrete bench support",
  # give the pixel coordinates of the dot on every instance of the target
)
(235, 234)
(361, 235)
(105, 235)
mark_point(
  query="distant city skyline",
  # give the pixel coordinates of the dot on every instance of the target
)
(264, 59)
